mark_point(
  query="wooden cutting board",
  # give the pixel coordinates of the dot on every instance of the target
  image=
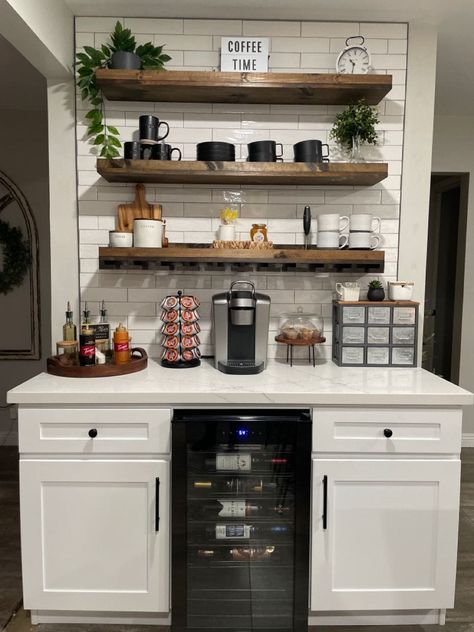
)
(137, 209)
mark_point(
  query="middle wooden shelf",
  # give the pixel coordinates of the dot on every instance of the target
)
(265, 173)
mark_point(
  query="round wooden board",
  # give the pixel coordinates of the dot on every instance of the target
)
(300, 343)
(62, 366)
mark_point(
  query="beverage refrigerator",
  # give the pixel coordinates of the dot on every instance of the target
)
(240, 520)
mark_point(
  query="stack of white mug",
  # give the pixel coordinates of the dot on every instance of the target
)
(330, 227)
(361, 236)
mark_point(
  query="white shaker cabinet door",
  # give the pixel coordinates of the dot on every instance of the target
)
(384, 534)
(95, 535)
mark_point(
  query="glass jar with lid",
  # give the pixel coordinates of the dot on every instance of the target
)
(300, 327)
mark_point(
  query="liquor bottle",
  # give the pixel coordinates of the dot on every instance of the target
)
(241, 461)
(245, 531)
(102, 331)
(86, 347)
(69, 329)
(239, 508)
(238, 485)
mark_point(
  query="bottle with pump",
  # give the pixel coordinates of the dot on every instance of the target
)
(69, 329)
(86, 317)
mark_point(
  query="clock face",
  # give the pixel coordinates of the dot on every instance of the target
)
(353, 60)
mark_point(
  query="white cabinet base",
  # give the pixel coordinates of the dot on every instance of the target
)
(106, 618)
(385, 617)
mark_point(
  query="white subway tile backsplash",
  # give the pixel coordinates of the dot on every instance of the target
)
(192, 212)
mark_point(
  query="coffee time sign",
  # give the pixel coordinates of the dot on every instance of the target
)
(244, 54)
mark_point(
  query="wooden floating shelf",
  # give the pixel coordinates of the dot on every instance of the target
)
(229, 87)
(284, 256)
(266, 173)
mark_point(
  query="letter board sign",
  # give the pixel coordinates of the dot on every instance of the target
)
(244, 54)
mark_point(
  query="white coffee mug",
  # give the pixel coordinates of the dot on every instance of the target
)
(332, 221)
(331, 239)
(348, 291)
(148, 233)
(363, 222)
(364, 240)
(120, 240)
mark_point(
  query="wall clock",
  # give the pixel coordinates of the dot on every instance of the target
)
(354, 59)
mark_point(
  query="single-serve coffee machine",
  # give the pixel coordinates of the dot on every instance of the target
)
(240, 322)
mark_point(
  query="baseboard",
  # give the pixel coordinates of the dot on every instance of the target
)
(468, 440)
(105, 618)
(381, 617)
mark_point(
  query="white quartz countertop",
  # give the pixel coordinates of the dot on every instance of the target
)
(279, 384)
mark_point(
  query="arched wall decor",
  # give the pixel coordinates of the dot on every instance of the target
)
(11, 195)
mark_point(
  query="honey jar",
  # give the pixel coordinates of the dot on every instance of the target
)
(258, 232)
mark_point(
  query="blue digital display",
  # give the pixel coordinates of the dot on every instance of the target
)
(242, 432)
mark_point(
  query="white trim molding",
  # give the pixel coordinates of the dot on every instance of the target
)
(467, 440)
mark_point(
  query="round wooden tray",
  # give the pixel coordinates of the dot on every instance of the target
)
(66, 366)
(300, 343)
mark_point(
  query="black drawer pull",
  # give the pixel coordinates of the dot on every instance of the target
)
(92, 433)
(325, 502)
(388, 433)
(157, 504)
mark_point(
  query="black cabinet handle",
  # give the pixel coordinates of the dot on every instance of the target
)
(325, 502)
(388, 433)
(157, 504)
(92, 433)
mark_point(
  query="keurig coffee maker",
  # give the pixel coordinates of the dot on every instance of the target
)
(240, 320)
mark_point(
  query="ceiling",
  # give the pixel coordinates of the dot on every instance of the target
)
(455, 20)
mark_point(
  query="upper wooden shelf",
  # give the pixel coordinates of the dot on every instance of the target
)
(266, 173)
(229, 87)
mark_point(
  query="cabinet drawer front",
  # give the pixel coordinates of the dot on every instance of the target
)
(353, 315)
(378, 355)
(353, 335)
(353, 355)
(378, 315)
(378, 335)
(404, 315)
(428, 430)
(95, 430)
(403, 335)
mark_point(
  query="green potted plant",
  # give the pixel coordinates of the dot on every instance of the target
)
(375, 291)
(355, 125)
(122, 52)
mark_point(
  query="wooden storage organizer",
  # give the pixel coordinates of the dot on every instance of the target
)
(375, 333)
(283, 256)
(229, 87)
(269, 173)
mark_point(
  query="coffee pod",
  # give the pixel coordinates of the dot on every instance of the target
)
(170, 342)
(189, 302)
(189, 329)
(191, 354)
(169, 302)
(170, 355)
(169, 316)
(189, 342)
(190, 316)
(170, 329)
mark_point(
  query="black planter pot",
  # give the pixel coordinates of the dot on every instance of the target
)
(123, 60)
(376, 294)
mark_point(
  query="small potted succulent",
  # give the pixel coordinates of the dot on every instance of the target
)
(122, 52)
(354, 126)
(375, 291)
(227, 228)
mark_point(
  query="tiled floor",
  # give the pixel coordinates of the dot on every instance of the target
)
(460, 619)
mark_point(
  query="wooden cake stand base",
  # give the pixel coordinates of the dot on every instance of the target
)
(300, 343)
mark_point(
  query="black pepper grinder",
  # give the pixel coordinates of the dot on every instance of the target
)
(306, 224)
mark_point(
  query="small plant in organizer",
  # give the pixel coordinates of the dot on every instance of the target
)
(91, 59)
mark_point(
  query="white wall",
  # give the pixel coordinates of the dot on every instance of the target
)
(192, 212)
(453, 144)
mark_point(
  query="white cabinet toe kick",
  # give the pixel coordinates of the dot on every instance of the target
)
(95, 514)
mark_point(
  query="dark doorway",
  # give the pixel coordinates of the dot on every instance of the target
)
(445, 274)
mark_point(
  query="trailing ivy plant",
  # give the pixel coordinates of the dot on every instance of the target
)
(356, 122)
(107, 136)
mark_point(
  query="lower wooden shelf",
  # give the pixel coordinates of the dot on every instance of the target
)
(269, 173)
(286, 257)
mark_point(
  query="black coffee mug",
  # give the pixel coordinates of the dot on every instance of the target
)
(149, 128)
(264, 151)
(310, 151)
(132, 150)
(164, 152)
(146, 151)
